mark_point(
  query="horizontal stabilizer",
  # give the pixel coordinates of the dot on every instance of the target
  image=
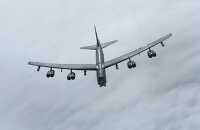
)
(103, 45)
(108, 43)
(93, 47)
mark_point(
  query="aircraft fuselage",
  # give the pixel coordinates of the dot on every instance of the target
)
(101, 73)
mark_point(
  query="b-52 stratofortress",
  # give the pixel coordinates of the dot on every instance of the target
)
(101, 65)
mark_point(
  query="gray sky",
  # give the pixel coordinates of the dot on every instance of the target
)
(161, 93)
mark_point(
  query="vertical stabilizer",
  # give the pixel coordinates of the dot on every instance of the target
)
(95, 47)
(97, 39)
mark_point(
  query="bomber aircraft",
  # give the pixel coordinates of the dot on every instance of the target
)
(101, 65)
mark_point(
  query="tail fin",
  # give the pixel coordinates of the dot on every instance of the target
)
(94, 47)
(97, 39)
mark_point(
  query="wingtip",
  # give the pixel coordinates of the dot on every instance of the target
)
(168, 35)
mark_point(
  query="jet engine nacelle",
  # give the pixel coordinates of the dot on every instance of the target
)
(131, 64)
(151, 53)
(50, 73)
(71, 76)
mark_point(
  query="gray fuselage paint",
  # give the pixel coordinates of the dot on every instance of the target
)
(101, 73)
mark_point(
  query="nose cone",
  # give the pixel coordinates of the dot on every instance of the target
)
(102, 82)
(102, 85)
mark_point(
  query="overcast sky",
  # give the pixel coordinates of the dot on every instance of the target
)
(161, 93)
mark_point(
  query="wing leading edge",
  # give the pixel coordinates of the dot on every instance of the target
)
(136, 52)
(65, 66)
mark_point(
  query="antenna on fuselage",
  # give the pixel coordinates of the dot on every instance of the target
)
(97, 39)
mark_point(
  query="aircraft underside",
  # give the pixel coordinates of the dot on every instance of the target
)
(101, 65)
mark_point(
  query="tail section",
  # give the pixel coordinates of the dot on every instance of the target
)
(103, 45)
(92, 47)
(97, 39)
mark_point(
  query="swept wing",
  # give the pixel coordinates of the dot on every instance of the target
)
(65, 66)
(136, 52)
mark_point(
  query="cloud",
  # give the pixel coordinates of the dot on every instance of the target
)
(161, 93)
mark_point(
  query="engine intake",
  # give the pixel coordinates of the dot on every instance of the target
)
(71, 76)
(151, 53)
(50, 73)
(131, 64)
